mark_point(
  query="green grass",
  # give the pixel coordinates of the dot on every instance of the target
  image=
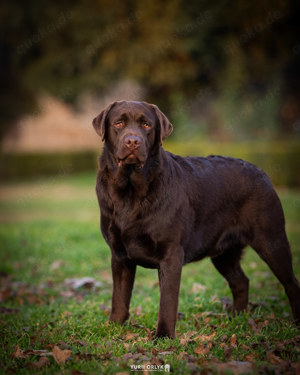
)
(50, 232)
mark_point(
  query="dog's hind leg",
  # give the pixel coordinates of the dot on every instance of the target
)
(271, 244)
(228, 264)
(273, 247)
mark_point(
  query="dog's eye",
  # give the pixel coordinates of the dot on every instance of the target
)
(146, 125)
(119, 124)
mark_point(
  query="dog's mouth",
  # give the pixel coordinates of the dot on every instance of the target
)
(131, 159)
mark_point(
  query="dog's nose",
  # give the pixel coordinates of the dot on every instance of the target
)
(132, 141)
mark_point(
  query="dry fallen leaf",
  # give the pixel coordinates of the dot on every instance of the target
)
(250, 357)
(150, 334)
(157, 361)
(154, 351)
(274, 359)
(138, 311)
(60, 356)
(252, 324)
(106, 355)
(130, 336)
(57, 264)
(184, 341)
(181, 355)
(263, 324)
(204, 338)
(66, 314)
(228, 352)
(67, 293)
(5, 294)
(198, 288)
(232, 341)
(186, 337)
(18, 353)
(43, 361)
(201, 350)
(141, 349)
(271, 316)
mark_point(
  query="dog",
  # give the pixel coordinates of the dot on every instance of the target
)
(161, 211)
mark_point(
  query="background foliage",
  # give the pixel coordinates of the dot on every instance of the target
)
(280, 160)
(230, 68)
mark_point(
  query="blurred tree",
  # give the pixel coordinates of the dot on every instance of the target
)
(15, 97)
(237, 52)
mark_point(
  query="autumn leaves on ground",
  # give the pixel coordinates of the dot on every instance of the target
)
(56, 295)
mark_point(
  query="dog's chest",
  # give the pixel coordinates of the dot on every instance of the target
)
(137, 236)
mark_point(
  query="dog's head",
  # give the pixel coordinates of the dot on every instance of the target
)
(131, 130)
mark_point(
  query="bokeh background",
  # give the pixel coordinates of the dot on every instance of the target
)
(226, 73)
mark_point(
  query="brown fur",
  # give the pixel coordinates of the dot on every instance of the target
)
(159, 210)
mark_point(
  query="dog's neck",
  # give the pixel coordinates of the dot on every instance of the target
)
(129, 180)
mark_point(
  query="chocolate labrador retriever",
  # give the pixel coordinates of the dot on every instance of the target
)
(160, 210)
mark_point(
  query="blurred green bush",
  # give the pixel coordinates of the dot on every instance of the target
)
(280, 159)
(15, 166)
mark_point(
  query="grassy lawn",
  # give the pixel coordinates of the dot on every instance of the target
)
(50, 233)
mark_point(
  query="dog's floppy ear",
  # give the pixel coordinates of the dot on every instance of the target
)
(165, 126)
(99, 121)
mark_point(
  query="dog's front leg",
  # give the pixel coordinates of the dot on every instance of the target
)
(169, 281)
(123, 278)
